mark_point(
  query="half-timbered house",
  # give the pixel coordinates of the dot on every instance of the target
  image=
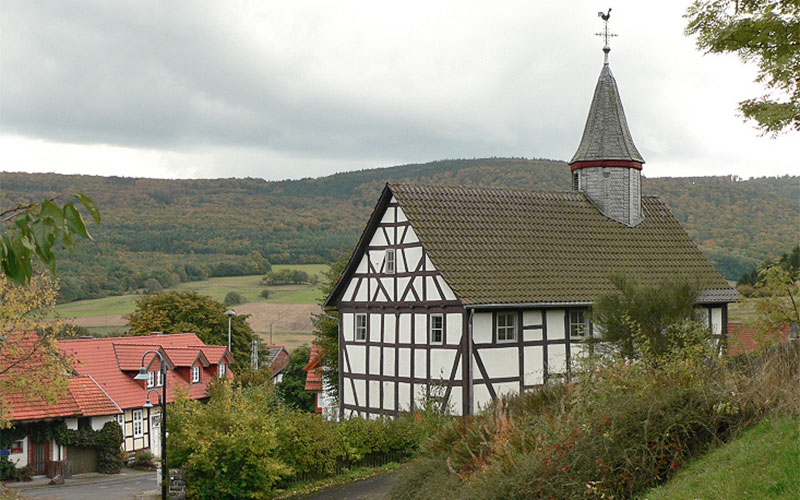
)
(467, 293)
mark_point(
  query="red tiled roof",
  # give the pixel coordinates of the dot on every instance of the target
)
(278, 358)
(314, 370)
(97, 357)
(215, 353)
(83, 398)
(129, 356)
(186, 356)
(742, 339)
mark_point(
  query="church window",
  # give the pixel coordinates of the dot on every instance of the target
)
(390, 261)
(575, 185)
(436, 326)
(506, 326)
(578, 324)
(361, 326)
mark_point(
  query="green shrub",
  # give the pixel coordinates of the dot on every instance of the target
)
(234, 299)
(8, 471)
(264, 294)
(144, 458)
(26, 473)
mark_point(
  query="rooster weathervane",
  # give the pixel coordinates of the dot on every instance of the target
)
(605, 33)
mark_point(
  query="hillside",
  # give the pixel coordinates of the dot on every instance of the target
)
(181, 230)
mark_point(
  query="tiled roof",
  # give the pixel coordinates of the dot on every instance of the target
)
(83, 398)
(314, 370)
(215, 353)
(606, 135)
(129, 356)
(277, 358)
(515, 246)
(99, 357)
(186, 356)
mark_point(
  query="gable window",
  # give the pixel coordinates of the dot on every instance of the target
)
(151, 379)
(138, 427)
(506, 326)
(159, 378)
(221, 369)
(578, 324)
(436, 327)
(390, 261)
(361, 326)
(195, 374)
(121, 420)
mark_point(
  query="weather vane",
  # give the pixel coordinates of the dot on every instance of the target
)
(605, 34)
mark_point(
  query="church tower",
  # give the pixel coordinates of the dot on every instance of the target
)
(607, 167)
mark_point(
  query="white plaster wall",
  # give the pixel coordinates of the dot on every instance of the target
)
(442, 363)
(72, 423)
(405, 328)
(716, 320)
(411, 237)
(506, 388)
(499, 362)
(21, 459)
(404, 363)
(388, 361)
(531, 318)
(388, 285)
(374, 331)
(402, 284)
(388, 395)
(389, 323)
(482, 328)
(417, 284)
(420, 328)
(433, 293)
(357, 354)
(555, 324)
(578, 352)
(455, 401)
(388, 215)
(404, 396)
(349, 398)
(413, 255)
(99, 422)
(374, 360)
(454, 328)
(420, 364)
(448, 292)
(480, 397)
(374, 394)
(348, 324)
(351, 288)
(420, 394)
(361, 392)
(377, 241)
(361, 294)
(556, 358)
(534, 366)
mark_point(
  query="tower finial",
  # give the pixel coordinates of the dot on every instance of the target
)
(605, 33)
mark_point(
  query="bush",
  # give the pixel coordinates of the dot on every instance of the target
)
(264, 294)
(618, 430)
(26, 473)
(8, 471)
(143, 459)
(233, 299)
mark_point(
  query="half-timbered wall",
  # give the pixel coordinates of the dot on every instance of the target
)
(542, 349)
(388, 362)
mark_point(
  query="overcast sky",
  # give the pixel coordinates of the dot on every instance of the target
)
(290, 89)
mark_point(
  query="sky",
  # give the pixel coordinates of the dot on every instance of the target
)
(293, 89)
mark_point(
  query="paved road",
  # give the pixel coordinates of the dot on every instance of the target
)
(121, 487)
(372, 488)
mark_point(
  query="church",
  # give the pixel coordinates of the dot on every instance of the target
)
(468, 293)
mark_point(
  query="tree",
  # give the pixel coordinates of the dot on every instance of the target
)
(326, 326)
(188, 311)
(766, 32)
(291, 389)
(780, 305)
(233, 299)
(648, 321)
(32, 231)
(30, 362)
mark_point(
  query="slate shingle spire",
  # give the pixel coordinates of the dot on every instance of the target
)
(607, 166)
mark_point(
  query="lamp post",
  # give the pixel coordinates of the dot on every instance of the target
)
(229, 313)
(163, 401)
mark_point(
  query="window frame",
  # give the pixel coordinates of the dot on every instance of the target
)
(390, 252)
(582, 320)
(195, 374)
(431, 329)
(151, 379)
(120, 419)
(363, 328)
(159, 378)
(222, 369)
(505, 327)
(138, 418)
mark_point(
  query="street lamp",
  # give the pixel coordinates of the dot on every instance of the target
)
(229, 313)
(163, 401)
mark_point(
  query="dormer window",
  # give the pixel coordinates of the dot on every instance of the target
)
(159, 378)
(221, 370)
(195, 374)
(390, 261)
(151, 379)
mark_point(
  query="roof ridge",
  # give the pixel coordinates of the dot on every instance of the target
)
(484, 188)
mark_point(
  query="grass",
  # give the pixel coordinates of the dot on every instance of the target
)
(763, 462)
(301, 490)
(217, 288)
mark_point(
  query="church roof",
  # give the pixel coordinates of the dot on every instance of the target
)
(498, 246)
(606, 135)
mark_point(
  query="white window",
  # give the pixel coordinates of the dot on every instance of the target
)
(159, 378)
(221, 370)
(506, 326)
(436, 327)
(361, 326)
(390, 261)
(121, 421)
(195, 374)
(151, 379)
(578, 324)
(138, 426)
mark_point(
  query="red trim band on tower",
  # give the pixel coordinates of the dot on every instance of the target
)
(605, 163)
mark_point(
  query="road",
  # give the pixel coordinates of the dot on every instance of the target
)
(118, 487)
(372, 488)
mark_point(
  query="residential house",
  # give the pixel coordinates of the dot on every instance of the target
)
(467, 293)
(277, 359)
(114, 362)
(324, 403)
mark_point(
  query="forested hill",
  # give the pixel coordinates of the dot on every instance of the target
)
(178, 230)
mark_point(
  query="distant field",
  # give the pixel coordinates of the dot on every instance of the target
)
(291, 340)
